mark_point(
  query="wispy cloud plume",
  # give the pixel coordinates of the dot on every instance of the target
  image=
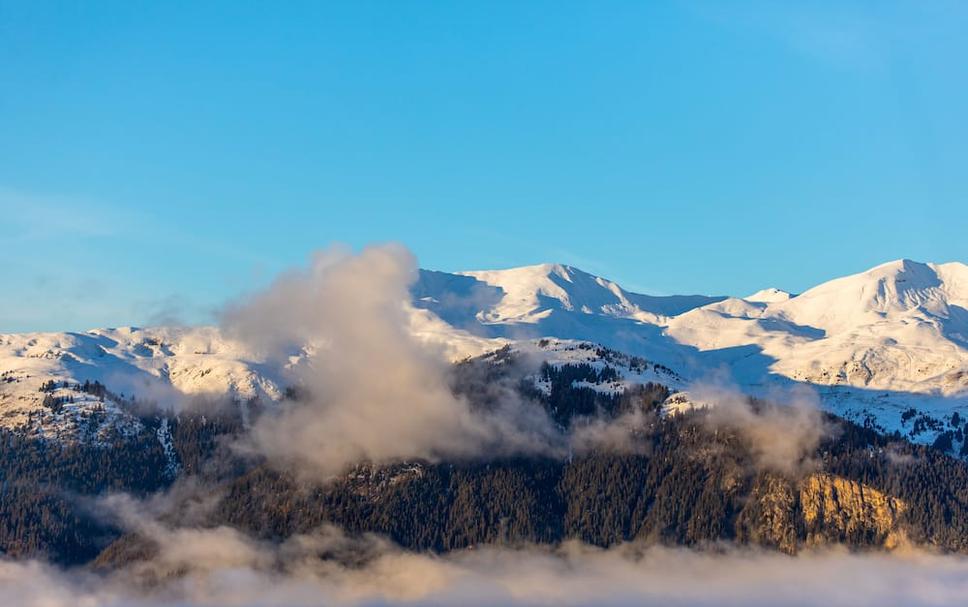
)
(783, 430)
(374, 393)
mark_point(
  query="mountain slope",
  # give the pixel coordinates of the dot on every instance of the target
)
(43, 376)
(554, 300)
(684, 479)
(901, 326)
(876, 344)
(679, 481)
(532, 292)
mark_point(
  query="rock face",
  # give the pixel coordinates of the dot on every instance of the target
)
(835, 509)
(771, 517)
(822, 509)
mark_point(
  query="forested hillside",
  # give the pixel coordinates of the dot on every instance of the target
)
(681, 481)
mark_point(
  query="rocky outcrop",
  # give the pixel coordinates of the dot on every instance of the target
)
(820, 509)
(835, 509)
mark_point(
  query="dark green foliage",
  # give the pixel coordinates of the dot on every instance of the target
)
(486, 380)
(439, 507)
(682, 484)
(36, 521)
(688, 486)
(56, 403)
(934, 485)
(97, 389)
(944, 442)
(202, 442)
(924, 423)
(42, 509)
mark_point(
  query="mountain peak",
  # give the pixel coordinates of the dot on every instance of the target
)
(536, 289)
(533, 271)
(770, 295)
(902, 292)
(902, 266)
(533, 294)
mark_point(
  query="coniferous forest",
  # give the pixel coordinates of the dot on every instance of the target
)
(684, 483)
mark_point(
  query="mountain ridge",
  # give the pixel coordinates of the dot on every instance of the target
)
(874, 344)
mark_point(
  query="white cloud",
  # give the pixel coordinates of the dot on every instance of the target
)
(219, 567)
(783, 431)
(375, 393)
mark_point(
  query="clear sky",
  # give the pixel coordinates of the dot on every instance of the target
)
(157, 158)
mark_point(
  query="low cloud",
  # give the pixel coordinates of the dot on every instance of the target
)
(621, 434)
(218, 567)
(783, 430)
(372, 391)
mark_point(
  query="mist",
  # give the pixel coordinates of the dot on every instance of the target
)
(220, 567)
(783, 430)
(371, 390)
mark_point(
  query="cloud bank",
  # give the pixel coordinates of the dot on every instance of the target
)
(219, 567)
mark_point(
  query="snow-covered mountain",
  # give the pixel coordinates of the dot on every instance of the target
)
(543, 295)
(160, 365)
(900, 326)
(771, 295)
(874, 344)
(554, 300)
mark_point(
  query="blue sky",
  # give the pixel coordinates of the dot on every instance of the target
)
(159, 158)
